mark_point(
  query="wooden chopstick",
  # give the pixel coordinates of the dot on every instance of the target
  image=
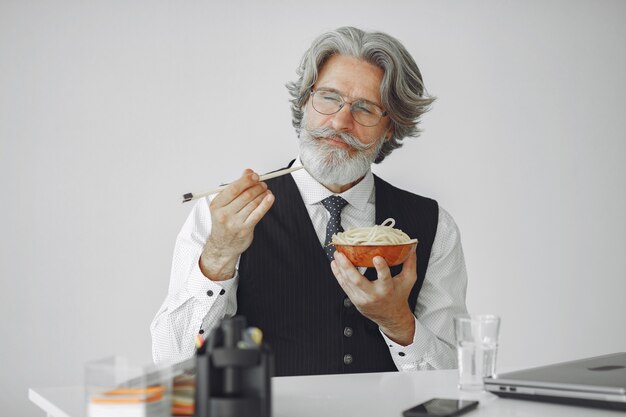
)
(195, 196)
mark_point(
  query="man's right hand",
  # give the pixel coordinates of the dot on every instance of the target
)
(234, 214)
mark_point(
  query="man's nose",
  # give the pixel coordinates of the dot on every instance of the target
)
(343, 121)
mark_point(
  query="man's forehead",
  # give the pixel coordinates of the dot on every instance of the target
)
(352, 76)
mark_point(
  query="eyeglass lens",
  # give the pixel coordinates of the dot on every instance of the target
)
(330, 102)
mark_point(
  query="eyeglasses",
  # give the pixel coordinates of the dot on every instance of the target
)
(330, 102)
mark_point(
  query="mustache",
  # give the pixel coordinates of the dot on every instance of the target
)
(327, 132)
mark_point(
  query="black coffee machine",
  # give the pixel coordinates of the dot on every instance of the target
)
(233, 373)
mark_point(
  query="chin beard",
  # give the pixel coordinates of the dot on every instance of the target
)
(333, 165)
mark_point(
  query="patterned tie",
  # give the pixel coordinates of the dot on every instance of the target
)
(334, 204)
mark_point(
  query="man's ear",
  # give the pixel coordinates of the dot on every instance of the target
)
(389, 134)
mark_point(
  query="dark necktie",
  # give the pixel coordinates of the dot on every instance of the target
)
(334, 204)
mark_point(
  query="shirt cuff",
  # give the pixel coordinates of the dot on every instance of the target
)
(203, 289)
(411, 357)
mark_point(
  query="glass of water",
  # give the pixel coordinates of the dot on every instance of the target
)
(477, 348)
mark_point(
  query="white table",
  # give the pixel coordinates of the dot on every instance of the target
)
(360, 395)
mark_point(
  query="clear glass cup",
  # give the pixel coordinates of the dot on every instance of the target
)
(477, 348)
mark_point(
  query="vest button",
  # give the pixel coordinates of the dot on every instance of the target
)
(347, 359)
(347, 331)
(347, 303)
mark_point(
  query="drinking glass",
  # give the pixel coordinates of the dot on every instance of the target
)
(477, 348)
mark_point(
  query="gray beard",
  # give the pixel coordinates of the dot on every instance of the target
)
(332, 165)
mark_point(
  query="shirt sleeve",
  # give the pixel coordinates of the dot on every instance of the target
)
(194, 304)
(441, 297)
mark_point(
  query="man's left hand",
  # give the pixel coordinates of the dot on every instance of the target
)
(384, 301)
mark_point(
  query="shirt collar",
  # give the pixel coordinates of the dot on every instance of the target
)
(313, 192)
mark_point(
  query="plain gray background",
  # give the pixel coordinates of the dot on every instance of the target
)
(110, 110)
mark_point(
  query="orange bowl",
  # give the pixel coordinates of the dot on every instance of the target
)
(363, 255)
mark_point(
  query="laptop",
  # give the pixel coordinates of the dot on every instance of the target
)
(594, 382)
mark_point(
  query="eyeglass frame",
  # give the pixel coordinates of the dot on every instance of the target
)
(383, 113)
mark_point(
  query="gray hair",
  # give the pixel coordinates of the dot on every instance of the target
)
(402, 89)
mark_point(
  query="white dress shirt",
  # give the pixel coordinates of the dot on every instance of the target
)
(196, 304)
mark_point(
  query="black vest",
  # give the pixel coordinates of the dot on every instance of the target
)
(287, 289)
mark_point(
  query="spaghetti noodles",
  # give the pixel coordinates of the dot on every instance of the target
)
(383, 234)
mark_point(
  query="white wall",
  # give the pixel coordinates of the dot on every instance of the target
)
(109, 111)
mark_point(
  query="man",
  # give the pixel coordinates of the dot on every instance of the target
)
(257, 249)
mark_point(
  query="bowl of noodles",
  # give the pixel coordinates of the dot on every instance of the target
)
(361, 245)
